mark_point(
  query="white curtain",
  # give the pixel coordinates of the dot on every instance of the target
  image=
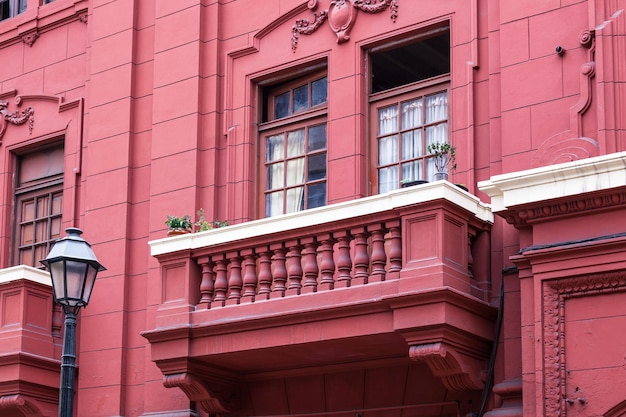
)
(295, 170)
(387, 148)
(436, 111)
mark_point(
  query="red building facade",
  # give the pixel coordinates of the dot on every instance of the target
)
(345, 272)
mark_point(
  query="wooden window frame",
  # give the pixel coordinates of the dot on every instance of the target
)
(398, 96)
(313, 116)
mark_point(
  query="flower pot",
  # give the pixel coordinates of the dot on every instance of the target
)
(438, 176)
(412, 183)
(176, 232)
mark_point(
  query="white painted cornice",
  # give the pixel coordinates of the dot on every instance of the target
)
(554, 181)
(331, 213)
(25, 272)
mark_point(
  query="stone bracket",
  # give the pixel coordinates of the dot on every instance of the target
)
(223, 402)
(457, 371)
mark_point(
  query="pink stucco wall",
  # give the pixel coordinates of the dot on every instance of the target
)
(158, 102)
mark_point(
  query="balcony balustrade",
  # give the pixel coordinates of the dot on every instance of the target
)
(433, 226)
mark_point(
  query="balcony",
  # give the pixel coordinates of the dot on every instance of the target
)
(30, 340)
(344, 307)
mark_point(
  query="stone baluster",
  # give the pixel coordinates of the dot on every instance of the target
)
(327, 262)
(250, 279)
(294, 267)
(279, 272)
(344, 261)
(309, 265)
(361, 257)
(221, 279)
(265, 272)
(207, 284)
(395, 246)
(235, 281)
(379, 257)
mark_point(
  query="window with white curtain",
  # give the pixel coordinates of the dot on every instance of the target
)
(10, 8)
(408, 107)
(294, 140)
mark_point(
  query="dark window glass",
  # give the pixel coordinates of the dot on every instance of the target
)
(300, 98)
(316, 195)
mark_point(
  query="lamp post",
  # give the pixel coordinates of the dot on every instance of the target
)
(73, 268)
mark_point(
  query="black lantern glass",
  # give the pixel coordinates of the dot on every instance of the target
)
(73, 268)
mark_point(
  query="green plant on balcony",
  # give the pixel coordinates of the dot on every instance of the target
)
(178, 225)
(203, 224)
(444, 158)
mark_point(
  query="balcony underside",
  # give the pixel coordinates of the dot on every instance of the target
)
(365, 342)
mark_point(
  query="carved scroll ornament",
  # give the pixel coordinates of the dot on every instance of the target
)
(213, 402)
(16, 118)
(457, 372)
(341, 15)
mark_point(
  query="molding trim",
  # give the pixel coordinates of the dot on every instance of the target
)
(556, 181)
(555, 293)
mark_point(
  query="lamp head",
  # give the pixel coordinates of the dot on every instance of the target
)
(73, 268)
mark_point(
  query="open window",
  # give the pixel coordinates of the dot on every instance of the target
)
(293, 144)
(409, 90)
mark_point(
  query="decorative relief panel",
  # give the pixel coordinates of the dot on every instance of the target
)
(555, 293)
(341, 15)
(17, 117)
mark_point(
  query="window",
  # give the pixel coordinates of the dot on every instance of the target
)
(10, 8)
(408, 107)
(38, 204)
(294, 140)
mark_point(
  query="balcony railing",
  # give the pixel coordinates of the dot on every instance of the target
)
(434, 230)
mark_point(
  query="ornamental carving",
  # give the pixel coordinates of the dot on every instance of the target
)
(30, 38)
(196, 389)
(524, 216)
(15, 118)
(341, 15)
(555, 293)
(458, 373)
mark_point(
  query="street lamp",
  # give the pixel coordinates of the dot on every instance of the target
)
(73, 268)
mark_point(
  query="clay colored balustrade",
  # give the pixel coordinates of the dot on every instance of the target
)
(423, 232)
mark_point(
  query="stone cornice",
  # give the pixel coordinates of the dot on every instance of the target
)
(556, 181)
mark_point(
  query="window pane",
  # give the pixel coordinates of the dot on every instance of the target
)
(317, 137)
(317, 195)
(387, 120)
(317, 167)
(388, 179)
(388, 150)
(295, 200)
(281, 105)
(295, 143)
(301, 98)
(274, 148)
(412, 171)
(437, 133)
(319, 91)
(274, 204)
(437, 107)
(411, 144)
(57, 203)
(412, 114)
(295, 172)
(275, 176)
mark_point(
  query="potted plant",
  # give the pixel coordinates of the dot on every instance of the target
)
(178, 225)
(444, 157)
(202, 224)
